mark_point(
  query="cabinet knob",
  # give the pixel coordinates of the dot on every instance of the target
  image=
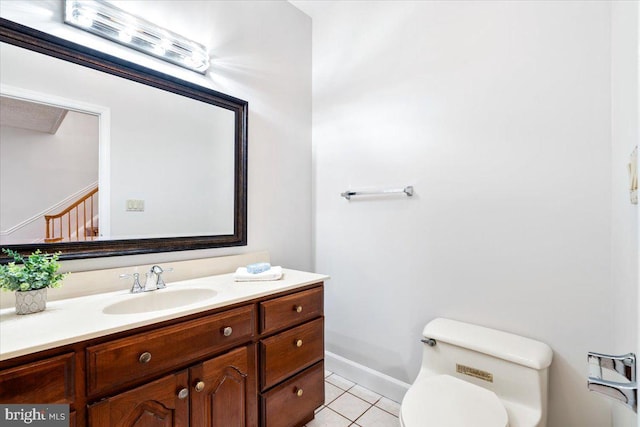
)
(298, 343)
(183, 393)
(199, 386)
(227, 331)
(299, 392)
(298, 308)
(145, 357)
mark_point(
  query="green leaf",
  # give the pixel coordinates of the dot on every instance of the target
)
(38, 270)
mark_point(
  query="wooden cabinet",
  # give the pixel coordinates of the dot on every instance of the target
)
(256, 363)
(158, 403)
(214, 393)
(293, 402)
(223, 391)
(123, 361)
(291, 351)
(291, 309)
(50, 380)
(292, 359)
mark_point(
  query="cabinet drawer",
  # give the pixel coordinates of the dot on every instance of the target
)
(127, 360)
(291, 351)
(290, 310)
(46, 381)
(293, 402)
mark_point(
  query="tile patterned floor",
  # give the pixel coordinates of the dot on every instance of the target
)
(350, 405)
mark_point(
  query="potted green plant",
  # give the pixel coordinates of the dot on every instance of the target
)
(30, 280)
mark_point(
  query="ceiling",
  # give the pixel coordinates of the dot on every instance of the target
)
(306, 6)
(22, 114)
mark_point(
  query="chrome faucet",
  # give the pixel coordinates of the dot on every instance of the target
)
(153, 280)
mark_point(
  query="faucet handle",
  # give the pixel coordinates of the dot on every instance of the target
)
(157, 270)
(136, 287)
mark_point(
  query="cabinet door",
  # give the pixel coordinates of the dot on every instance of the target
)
(157, 404)
(223, 390)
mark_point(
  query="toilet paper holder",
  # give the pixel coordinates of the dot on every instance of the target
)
(625, 365)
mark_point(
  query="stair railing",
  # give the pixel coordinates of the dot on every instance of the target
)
(76, 223)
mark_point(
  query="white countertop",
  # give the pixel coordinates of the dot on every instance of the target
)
(77, 319)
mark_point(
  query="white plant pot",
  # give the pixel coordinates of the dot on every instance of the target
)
(28, 302)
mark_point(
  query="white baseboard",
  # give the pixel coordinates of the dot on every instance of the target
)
(375, 381)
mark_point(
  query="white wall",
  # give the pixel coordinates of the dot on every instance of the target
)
(624, 138)
(499, 114)
(262, 53)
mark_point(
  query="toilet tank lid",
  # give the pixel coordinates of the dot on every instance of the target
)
(514, 348)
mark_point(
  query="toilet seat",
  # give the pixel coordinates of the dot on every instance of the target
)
(446, 401)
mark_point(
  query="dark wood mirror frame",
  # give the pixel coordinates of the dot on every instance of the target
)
(28, 38)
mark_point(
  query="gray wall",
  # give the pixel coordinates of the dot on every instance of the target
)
(51, 167)
(500, 115)
(624, 137)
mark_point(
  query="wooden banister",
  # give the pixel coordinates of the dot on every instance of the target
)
(75, 223)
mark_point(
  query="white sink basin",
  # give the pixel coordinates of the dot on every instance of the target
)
(161, 299)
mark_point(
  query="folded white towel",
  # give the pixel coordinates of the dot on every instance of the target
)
(242, 275)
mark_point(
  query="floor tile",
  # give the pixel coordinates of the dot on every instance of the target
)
(328, 418)
(389, 406)
(349, 406)
(331, 392)
(364, 394)
(327, 373)
(339, 381)
(357, 407)
(376, 417)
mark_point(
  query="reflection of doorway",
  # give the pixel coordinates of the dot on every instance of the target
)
(54, 151)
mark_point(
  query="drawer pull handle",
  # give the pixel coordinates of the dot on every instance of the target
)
(145, 357)
(227, 331)
(199, 386)
(298, 308)
(298, 343)
(183, 393)
(299, 392)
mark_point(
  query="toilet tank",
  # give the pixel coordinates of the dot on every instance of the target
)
(515, 368)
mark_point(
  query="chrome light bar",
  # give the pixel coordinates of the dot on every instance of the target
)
(103, 19)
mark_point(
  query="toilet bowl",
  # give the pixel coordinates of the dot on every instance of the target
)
(472, 376)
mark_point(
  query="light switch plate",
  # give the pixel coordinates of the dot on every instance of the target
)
(135, 205)
(633, 176)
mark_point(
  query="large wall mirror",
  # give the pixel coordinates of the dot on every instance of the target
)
(101, 157)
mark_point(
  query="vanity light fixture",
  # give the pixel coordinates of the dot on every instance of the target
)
(103, 19)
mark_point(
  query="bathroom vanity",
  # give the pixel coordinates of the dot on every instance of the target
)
(249, 354)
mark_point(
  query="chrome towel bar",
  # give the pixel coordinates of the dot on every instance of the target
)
(408, 190)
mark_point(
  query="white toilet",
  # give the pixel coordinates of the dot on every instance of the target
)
(473, 376)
